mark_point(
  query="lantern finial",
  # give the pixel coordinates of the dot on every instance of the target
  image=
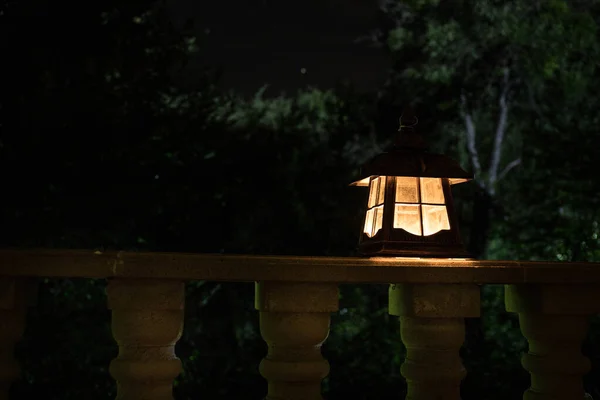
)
(410, 120)
(407, 136)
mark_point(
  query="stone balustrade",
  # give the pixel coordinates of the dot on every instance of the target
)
(295, 297)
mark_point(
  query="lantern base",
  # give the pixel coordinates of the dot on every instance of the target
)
(411, 249)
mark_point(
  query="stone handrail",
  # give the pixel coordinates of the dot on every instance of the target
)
(295, 296)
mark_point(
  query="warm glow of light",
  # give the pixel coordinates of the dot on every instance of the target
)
(408, 217)
(369, 223)
(435, 219)
(417, 218)
(406, 190)
(374, 218)
(455, 181)
(376, 191)
(378, 219)
(373, 193)
(373, 221)
(431, 191)
(419, 206)
(362, 182)
(381, 194)
(432, 261)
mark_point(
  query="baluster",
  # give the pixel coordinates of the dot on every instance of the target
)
(147, 321)
(432, 330)
(16, 295)
(554, 320)
(294, 322)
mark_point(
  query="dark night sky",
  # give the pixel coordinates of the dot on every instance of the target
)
(267, 41)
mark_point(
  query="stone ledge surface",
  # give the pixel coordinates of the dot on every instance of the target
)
(250, 268)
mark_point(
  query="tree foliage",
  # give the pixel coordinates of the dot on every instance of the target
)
(513, 88)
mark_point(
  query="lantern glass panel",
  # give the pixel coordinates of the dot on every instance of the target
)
(373, 192)
(376, 191)
(435, 219)
(381, 192)
(374, 217)
(369, 222)
(406, 190)
(431, 191)
(408, 217)
(378, 219)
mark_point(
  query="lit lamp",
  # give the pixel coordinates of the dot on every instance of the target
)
(410, 211)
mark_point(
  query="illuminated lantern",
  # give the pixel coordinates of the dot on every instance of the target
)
(410, 211)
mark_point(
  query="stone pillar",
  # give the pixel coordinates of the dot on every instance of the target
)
(16, 295)
(433, 331)
(294, 321)
(554, 320)
(147, 321)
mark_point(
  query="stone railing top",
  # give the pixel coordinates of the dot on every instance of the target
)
(249, 268)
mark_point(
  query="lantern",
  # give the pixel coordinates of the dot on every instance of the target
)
(409, 209)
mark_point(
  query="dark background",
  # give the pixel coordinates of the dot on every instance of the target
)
(270, 42)
(124, 126)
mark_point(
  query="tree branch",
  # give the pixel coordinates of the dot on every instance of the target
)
(500, 131)
(508, 167)
(471, 147)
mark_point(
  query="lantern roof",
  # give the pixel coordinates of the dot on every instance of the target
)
(409, 157)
